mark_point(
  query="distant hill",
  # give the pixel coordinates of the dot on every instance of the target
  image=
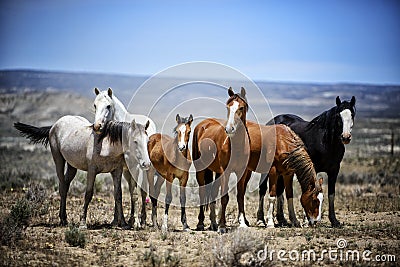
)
(307, 100)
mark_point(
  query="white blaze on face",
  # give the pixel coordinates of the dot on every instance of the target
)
(347, 122)
(181, 141)
(321, 200)
(230, 124)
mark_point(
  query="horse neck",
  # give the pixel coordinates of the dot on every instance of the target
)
(185, 153)
(240, 136)
(326, 121)
(120, 111)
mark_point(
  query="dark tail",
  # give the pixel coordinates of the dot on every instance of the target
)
(299, 161)
(36, 135)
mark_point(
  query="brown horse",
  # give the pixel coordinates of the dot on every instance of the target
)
(171, 158)
(289, 157)
(222, 147)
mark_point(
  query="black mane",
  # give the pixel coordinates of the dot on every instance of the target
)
(113, 130)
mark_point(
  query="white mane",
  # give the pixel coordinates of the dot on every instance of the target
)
(122, 114)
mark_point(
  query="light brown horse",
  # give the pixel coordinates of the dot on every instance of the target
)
(289, 157)
(171, 158)
(222, 147)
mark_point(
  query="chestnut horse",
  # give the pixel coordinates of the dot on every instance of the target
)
(171, 158)
(288, 158)
(222, 147)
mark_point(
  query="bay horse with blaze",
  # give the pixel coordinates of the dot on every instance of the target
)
(170, 157)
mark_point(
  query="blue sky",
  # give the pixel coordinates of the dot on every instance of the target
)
(320, 41)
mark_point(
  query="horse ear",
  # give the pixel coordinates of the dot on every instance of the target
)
(338, 102)
(178, 118)
(353, 101)
(230, 92)
(147, 125)
(96, 91)
(190, 119)
(109, 91)
(243, 92)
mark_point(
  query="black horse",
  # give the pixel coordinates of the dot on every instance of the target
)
(324, 138)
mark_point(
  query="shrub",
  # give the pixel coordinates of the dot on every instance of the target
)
(75, 237)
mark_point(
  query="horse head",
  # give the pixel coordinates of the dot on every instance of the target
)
(182, 131)
(104, 109)
(345, 111)
(237, 109)
(312, 200)
(137, 144)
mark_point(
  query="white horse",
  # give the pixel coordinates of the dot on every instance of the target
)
(109, 107)
(73, 140)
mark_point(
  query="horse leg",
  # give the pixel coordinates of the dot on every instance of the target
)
(119, 218)
(280, 202)
(288, 181)
(182, 183)
(143, 193)
(262, 191)
(224, 201)
(272, 197)
(332, 176)
(214, 193)
(168, 200)
(63, 189)
(91, 176)
(200, 176)
(69, 176)
(241, 190)
(131, 176)
(154, 191)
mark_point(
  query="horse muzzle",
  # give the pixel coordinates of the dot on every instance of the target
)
(346, 138)
(97, 127)
(145, 165)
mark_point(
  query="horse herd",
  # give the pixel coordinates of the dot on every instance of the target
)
(123, 144)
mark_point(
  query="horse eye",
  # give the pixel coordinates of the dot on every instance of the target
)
(108, 107)
(94, 105)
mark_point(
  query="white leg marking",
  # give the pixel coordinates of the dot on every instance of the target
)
(270, 214)
(321, 200)
(164, 227)
(242, 222)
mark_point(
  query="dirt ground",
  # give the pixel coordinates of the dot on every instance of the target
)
(371, 217)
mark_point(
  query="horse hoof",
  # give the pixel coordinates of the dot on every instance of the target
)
(283, 223)
(63, 223)
(186, 229)
(222, 230)
(243, 225)
(296, 224)
(335, 223)
(164, 228)
(200, 227)
(261, 223)
(126, 227)
(270, 225)
(83, 226)
(213, 227)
